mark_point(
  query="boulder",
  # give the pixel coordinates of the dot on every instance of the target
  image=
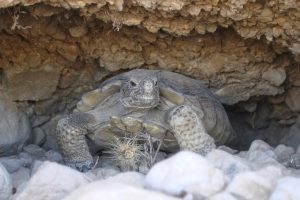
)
(185, 172)
(14, 127)
(52, 181)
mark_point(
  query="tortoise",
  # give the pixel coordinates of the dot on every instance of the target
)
(166, 105)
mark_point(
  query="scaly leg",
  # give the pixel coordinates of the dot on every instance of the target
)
(71, 139)
(189, 130)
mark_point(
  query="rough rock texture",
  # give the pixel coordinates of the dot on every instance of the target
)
(53, 51)
(14, 126)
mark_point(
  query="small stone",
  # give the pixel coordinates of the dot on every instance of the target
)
(185, 172)
(35, 151)
(259, 145)
(12, 164)
(78, 31)
(287, 188)
(54, 156)
(230, 165)
(283, 152)
(5, 184)
(52, 181)
(255, 184)
(260, 159)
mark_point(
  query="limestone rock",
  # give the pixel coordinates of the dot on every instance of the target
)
(185, 172)
(255, 184)
(115, 191)
(287, 188)
(14, 127)
(230, 165)
(61, 181)
(223, 196)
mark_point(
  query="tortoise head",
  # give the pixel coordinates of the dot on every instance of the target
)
(140, 91)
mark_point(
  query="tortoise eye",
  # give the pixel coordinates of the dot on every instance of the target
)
(132, 83)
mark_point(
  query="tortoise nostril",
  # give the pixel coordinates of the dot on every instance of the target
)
(132, 83)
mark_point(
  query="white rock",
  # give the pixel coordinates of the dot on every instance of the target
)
(52, 181)
(283, 152)
(129, 178)
(287, 189)
(255, 185)
(260, 145)
(229, 164)
(103, 173)
(260, 158)
(5, 184)
(223, 196)
(185, 172)
(115, 191)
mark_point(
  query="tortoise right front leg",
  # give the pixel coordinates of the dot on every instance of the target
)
(71, 139)
(189, 131)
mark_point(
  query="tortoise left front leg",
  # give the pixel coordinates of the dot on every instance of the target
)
(189, 131)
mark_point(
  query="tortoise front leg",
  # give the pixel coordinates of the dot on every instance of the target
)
(71, 139)
(189, 131)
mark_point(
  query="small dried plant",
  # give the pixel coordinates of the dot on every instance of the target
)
(126, 152)
(129, 152)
